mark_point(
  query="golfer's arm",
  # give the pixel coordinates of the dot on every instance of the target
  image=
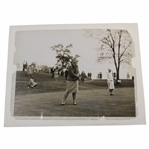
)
(72, 73)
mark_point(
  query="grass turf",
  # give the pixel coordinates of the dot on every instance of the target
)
(45, 99)
(47, 84)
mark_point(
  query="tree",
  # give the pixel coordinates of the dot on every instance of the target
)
(114, 46)
(63, 55)
(33, 64)
(44, 69)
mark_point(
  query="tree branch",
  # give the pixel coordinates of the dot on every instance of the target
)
(125, 59)
(101, 58)
(125, 49)
(113, 42)
(106, 41)
(119, 46)
(91, 35)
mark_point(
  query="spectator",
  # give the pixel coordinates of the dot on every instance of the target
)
(83, 76)
(32, 83)
(24, 64)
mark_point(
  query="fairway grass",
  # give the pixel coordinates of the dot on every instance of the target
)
(122, 104)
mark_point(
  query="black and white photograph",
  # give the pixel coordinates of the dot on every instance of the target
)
(74, 74)
(87, 72)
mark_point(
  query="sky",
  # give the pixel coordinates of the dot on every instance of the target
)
(35, 46)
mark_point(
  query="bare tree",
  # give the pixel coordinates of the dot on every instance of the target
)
(114, 46)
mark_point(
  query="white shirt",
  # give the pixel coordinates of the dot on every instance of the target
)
(109, 76)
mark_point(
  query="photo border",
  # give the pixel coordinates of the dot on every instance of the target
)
(11, 121)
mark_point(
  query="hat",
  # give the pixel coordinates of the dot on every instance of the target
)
(74, 60)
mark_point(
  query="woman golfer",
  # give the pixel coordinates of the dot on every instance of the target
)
(110, 81)
(72, 81)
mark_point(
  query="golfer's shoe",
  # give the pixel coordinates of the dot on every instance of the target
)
(74, 103)
(111, 94)
(63, 103)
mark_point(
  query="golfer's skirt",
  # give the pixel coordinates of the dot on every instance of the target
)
(72, 87)
(110, 84)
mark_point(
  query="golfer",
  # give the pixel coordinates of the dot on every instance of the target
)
(72, 81)
(110, 81)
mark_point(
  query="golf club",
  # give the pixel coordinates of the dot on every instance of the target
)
(91, 89)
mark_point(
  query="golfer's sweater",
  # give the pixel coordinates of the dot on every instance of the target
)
(72, 73)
